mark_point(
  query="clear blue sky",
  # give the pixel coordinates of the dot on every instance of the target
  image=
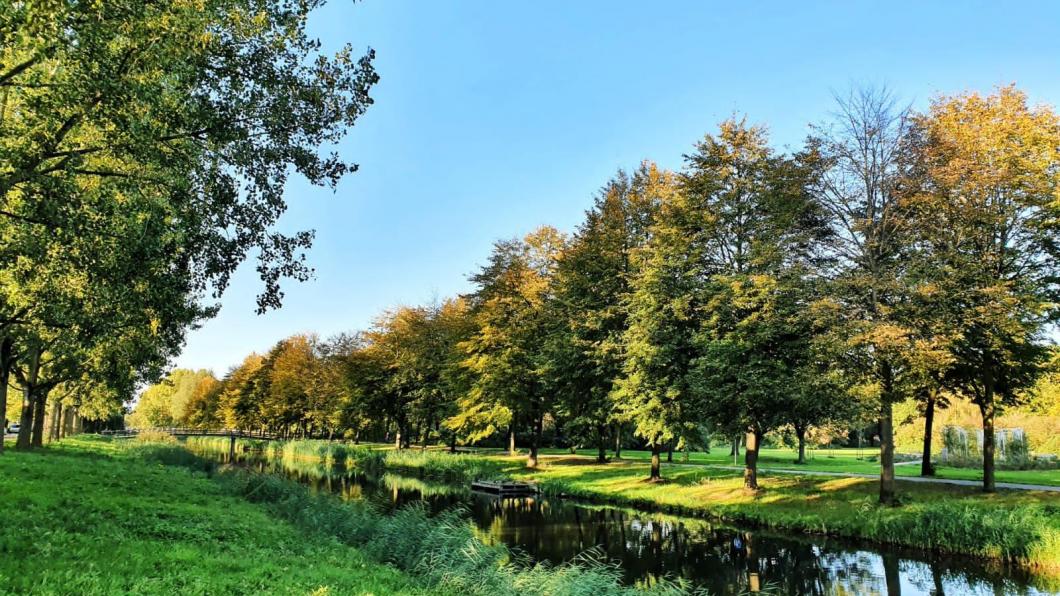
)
(492, 118)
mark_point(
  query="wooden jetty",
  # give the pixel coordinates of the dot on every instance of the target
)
(504, 488)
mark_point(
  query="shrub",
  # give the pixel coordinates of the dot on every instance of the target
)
(154, 436)
(445, 466)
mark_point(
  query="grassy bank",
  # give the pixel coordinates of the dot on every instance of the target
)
(86, 517)
(442, 550)
(131, 517)
(1022, 527)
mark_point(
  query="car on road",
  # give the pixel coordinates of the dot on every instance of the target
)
(14, 428)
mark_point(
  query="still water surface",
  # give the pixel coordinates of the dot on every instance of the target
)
(723, 559)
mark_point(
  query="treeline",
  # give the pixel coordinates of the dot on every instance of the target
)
(895, 256)
(144, 150)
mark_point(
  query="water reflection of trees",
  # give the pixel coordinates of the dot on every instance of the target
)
(724, 560)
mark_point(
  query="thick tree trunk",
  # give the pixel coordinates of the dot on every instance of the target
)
(511, 439)
(987, 409)
(750, 470)
(452, 442)
(656, 464)
(887, 488)
(53, 422)
(535, 441)
(800, 433)
(39, 409)
(25, 431)
(670, 453)
(29, 398)
(926, 469)
(69, 414)
(618, 441)
(5, 377)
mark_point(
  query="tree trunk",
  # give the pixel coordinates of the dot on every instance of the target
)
(656, 464)
(987, 409)
(53, 423)
(750, 469)
(39, 409)
(601, 445)
(926, 469)
(618, 441)
(800, 433)
(5, 376)
(670, 453)
(25, 430)
(887, 488)
(68, 421)
(397, 440)
(535, 441)
(734, 448)
(25, 421)
(452, 443)
(511, 439)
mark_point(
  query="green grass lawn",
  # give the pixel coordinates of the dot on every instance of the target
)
(837, 460)
(92, 520)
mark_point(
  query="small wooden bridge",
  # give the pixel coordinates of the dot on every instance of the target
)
(231, 433)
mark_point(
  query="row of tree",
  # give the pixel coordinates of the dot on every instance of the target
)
(144, 150)
(895, 256)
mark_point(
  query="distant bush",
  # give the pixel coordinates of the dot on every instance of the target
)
(436, 465)
(154, 436)
(445, 466)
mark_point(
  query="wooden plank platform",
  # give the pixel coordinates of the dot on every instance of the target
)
(505, 488)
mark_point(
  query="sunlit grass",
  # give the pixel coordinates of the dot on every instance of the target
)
(841, 460)
(440, 554)
(103, 517)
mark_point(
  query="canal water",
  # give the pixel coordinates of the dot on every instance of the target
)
(647, 546)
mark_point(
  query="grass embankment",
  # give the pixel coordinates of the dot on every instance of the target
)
(1022, 527)
(86, 517)
(160, 529)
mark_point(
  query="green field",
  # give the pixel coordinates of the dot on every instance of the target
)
(854, 461)
(88, 519)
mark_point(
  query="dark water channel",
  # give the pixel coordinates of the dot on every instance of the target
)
(723, 559)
